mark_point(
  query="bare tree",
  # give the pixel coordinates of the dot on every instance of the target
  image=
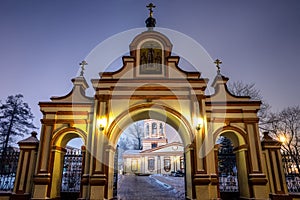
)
(15, 120)
(285, 127)
(239, 88)
(132, 137)
(136, 132)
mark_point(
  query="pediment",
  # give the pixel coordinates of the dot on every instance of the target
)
(77, 94)
(171, 147)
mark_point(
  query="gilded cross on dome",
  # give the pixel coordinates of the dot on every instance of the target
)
(150, 22)
(82, 64)
(150, 6)
(218, 62)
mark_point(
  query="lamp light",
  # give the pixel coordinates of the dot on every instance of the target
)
(282, 138)
(199, 124)
(101, 123)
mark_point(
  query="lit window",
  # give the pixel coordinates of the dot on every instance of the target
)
(167, 164)
(134, 166)
(181, 163)
(151, 164)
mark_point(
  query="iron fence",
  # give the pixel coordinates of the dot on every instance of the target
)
(72, 171)
(8, 169)
(228, 179)
(291, 169)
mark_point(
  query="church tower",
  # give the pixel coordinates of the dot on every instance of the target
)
(155, 134)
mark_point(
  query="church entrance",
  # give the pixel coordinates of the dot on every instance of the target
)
(150, 162)
(227, 170)
(72, 170)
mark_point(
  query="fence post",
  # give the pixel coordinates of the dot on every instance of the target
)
(26, 166)
(274, 167)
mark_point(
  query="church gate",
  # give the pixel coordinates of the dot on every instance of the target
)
(151, 85)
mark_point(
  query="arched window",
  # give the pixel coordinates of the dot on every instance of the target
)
(151, 164)
(167, 164)
(181, 163)
(154, 129)
(147, 130)
(161, 129)
(134, 165)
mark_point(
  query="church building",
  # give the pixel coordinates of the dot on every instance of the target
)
(157, 156)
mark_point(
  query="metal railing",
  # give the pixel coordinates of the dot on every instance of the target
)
(8, 169)
(72, 171)
(291, 166)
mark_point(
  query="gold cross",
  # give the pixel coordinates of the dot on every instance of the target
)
(150, 6)
(82, 64)
(218, 62)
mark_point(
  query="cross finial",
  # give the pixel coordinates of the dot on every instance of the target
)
(82, 64)
(218, 62)
(150, 6)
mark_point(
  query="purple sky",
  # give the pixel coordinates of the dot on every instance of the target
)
(42, 42)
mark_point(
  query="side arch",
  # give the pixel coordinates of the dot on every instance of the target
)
(63, 136)
(58, 144)
(237, 135)
(240, 142)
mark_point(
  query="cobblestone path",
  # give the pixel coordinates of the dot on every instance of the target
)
(133, 187)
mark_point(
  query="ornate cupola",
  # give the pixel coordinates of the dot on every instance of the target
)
(150, 21)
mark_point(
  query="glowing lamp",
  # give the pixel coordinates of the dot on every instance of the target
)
(282, 138)
(199, 124)
(101, 123)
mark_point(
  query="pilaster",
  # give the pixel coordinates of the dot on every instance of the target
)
(26, 166)
(274, 168)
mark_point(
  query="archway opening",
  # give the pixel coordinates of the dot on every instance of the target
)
(150, 156)
(68, 153)
(227, 169)
(72, 169)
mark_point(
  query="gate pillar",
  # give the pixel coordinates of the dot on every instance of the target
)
(98, 167)
(110, 154)
(274, 168)
(57, 164)
(26, 166)
(206, 180)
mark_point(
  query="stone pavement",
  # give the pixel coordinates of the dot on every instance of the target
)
(132, 187)
(175, 183)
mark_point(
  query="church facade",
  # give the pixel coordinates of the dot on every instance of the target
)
(157, 156)
(151, 86)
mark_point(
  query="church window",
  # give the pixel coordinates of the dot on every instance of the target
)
(153, 145)
(181, 163)
(161, 129)
(147, 130)
(151, 58)
(154, 129)
(151, 164)
(134, 165)
(167, 164)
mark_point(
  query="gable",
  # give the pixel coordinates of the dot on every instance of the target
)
(173, 148)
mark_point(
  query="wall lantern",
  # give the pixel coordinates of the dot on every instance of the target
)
(101, 123)
(199, 123)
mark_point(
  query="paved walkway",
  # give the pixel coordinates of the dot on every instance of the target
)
(176, 183)
(133, 187)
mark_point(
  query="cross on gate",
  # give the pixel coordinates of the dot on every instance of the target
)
(82, 64)
(218, 62)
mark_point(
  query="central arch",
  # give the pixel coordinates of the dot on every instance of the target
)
(158, 112)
